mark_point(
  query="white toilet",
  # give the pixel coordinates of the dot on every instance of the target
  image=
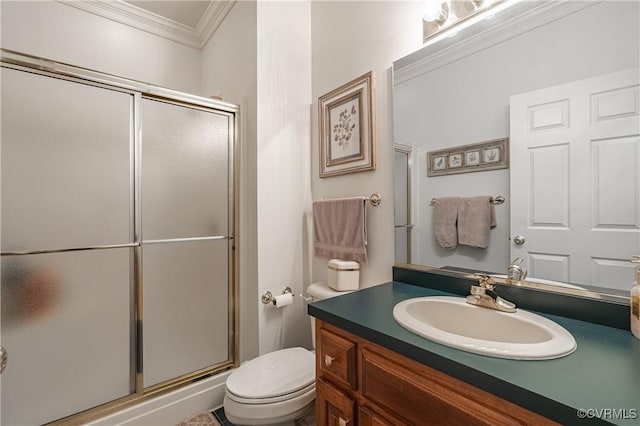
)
(277, 387)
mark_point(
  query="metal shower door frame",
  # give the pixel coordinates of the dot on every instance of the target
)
(139, 90)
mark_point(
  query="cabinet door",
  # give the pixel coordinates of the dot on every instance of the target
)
(367, 417)
(333, 408)
(422, 396)
(337, 357)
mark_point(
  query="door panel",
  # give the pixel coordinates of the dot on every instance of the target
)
(66, 163)
(575, 179)
(614, 161)
(66, 322)
(185, 172)
(549, 186)
(186, 308)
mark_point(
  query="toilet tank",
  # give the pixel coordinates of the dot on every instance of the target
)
(343, 275)
(320, 291)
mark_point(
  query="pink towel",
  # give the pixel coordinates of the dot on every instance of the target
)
(445, 215)
(340, 229)
(476, 217)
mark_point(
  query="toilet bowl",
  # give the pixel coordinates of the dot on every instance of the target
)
(274, 388)
(278, 387)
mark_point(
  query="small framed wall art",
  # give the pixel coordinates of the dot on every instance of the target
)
(476, 157)
(346, 122)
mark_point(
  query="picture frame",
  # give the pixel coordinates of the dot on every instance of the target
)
(346, 123)
(455, 160)
(472, 157)
(440, 162)
(475, 157)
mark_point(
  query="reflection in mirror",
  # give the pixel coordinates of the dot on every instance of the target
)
(440, 18)
(402, 162)
(567, 97)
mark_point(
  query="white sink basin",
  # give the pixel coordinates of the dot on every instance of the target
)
(453, 322)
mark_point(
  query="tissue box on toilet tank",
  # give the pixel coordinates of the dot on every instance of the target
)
(343, 275)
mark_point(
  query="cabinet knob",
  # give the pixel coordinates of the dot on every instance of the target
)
(328, 360)
(342, 422)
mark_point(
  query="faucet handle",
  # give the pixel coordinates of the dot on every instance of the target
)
(485, 281)
(476, 290)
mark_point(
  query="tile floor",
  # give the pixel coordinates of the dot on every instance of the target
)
(203, 419)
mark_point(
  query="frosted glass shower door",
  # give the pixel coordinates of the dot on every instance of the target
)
(67, 229)
(185, 200)
(66, 165)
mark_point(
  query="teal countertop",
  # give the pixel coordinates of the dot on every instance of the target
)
(602, 374)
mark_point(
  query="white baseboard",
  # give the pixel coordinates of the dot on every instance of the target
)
(172, 408)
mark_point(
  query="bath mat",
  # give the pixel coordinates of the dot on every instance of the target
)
(203, 419)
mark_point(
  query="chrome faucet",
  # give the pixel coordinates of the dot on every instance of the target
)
(483, 295)
(515, 271)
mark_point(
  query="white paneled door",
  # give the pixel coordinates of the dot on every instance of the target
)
(575, 180)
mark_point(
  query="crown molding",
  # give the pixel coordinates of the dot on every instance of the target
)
(135, 17)
(519, 19)
(212, 19)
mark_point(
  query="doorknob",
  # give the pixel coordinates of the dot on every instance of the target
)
(519, 240)
(3, 358)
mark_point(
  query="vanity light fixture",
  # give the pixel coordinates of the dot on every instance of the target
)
(435, 11)
(446, 18)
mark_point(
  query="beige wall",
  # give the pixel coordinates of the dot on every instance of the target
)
(350, 38)
(229, 70)
(284, 190)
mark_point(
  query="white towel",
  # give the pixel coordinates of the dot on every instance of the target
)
(340, 229)
(476, 217)
(445, 215)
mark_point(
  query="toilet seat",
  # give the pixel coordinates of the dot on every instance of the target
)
(272, 413)
(275, 376)
(269, 400)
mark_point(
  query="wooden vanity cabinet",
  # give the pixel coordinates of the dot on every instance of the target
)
(333, 407)
(361, 383)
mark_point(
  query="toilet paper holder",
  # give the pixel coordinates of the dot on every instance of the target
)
(267, 296)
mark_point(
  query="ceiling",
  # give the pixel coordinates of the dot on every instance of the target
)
(189, 22)
(187, 12)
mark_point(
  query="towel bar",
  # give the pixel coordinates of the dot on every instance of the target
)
(374, 199)
(499, 199)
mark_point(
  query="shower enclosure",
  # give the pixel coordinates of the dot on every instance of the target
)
(118, 257)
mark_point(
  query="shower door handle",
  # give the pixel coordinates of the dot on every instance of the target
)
(3, 358)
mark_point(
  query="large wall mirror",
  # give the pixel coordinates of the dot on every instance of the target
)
(560, 80)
